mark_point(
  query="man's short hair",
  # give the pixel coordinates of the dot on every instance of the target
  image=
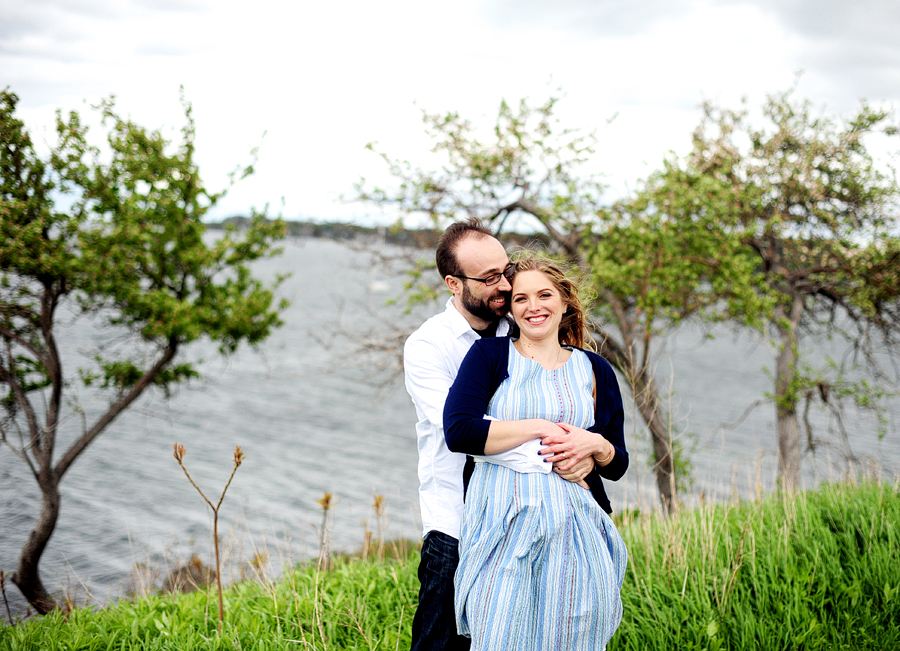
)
(445, 257)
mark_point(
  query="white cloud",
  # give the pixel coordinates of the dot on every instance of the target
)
(323, 79)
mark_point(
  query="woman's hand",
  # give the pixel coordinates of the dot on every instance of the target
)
(565, 450)
(577, 472)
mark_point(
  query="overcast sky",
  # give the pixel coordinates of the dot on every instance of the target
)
(323, 79)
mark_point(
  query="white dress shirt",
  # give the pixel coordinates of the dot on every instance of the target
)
(431, 359)
(524, 457)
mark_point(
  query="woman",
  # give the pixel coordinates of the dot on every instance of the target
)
(541, 563)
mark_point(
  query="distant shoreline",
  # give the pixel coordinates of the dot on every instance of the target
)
(423, 238)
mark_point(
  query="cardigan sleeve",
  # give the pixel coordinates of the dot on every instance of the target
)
(465, 427)
(609, 418)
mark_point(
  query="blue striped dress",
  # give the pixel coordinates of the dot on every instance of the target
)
(541, 564)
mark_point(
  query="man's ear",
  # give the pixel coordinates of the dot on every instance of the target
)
(454, 284)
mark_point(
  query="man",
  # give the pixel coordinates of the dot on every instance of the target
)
(476, 270)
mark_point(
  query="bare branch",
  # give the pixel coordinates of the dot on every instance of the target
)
(8, 376)
(116, 408)
(18, 451)
(9, 334)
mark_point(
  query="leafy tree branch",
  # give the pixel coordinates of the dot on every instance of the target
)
(130, 250)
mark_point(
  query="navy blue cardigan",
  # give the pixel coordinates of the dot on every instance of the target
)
(486, 366)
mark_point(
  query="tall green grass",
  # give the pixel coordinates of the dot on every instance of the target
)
(820, 570)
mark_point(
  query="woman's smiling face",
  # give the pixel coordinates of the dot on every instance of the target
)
(537, 305)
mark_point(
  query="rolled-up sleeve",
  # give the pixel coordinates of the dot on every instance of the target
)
(610, 420)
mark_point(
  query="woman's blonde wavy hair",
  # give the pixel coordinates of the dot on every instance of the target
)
(574, 324)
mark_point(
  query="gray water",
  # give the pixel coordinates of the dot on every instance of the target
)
(314, 415)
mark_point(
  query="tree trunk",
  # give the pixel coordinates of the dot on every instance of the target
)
(27, 577)
(643, 386)
(646, 400)
(788, 426)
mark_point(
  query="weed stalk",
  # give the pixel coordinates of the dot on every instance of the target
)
(5, 600)
(324, 543)
(378, 505)
(238, 459)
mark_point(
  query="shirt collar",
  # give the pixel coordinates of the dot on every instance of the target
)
(459, 326)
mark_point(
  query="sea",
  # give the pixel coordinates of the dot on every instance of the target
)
(319, 408)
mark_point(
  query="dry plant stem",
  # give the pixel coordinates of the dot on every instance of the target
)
(218, 567)
(318, 612)
(323, 541)
(5, 601)
(399, 628)
(367, 543)
(324, 559)
(378, 504)
(238, 459)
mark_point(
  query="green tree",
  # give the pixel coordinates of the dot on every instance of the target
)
(530, 172)
(652, 273)
(808, 203)
(129, 249)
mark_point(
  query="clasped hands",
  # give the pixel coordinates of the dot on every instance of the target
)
(572, 451)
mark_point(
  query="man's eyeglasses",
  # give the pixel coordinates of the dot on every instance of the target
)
(493, 279)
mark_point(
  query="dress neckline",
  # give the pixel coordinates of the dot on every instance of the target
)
(512, 343)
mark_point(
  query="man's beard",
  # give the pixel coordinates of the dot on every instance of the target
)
(482, 309)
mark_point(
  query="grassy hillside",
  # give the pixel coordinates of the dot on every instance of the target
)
(817, 571)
